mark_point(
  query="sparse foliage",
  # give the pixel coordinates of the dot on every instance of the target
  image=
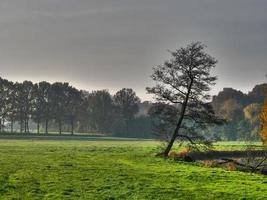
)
(185, 81)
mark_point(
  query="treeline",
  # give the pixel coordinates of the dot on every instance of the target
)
(242, 112)
(63, 108)
(47, 108)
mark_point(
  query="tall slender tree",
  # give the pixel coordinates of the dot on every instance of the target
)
(83, 113)
(41, 107)
(73, 103)
(27, 97)
(12, 104)
(58, 95)
(37, 107)
(46, 94)
(4, 95)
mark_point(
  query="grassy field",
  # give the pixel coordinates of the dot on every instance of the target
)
(114, 170)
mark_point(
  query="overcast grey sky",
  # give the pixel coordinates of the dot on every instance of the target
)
(97, 44)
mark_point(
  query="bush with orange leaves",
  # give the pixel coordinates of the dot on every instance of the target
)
(175, 154)
(263, 118)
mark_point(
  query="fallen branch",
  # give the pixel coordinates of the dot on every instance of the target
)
(227, 160)
(250, 167)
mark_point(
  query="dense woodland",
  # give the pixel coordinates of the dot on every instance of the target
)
(60, 108)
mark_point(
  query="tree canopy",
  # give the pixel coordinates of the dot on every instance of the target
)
(184, 81)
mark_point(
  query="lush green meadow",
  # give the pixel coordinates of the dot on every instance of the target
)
(114, 170)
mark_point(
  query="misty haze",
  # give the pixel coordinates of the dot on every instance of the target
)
(133, 99)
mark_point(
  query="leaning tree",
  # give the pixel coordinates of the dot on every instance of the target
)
(184, 82)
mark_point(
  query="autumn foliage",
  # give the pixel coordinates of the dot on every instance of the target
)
(263, 118)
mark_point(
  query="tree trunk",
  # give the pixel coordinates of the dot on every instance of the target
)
(3, 125)
(12, 123)
(72, 127)
(25, 126)
(127, 127)
(21, 125)
(46, 126)
(59, 124)
(38, 127)
(21, 128)
(180, 121)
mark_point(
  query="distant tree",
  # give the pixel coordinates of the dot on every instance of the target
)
(252, 112)
(41, 105)
(37, 106)
(252, 116)
(58, 97)
(232, 111)
(25, 104)
(4, 98)
(44, 91)
(73, 103)
(127, 103)
(83, 116)
(185, 81)
(19, 106)
(100, 111)
(12, 104)
(28, 88)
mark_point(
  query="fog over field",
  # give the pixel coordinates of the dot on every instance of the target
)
(100, 44)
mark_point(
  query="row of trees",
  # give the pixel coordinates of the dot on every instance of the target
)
(64, 107)
(42, 103)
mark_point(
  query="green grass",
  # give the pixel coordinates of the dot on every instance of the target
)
(113, 170)
(236, 145)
